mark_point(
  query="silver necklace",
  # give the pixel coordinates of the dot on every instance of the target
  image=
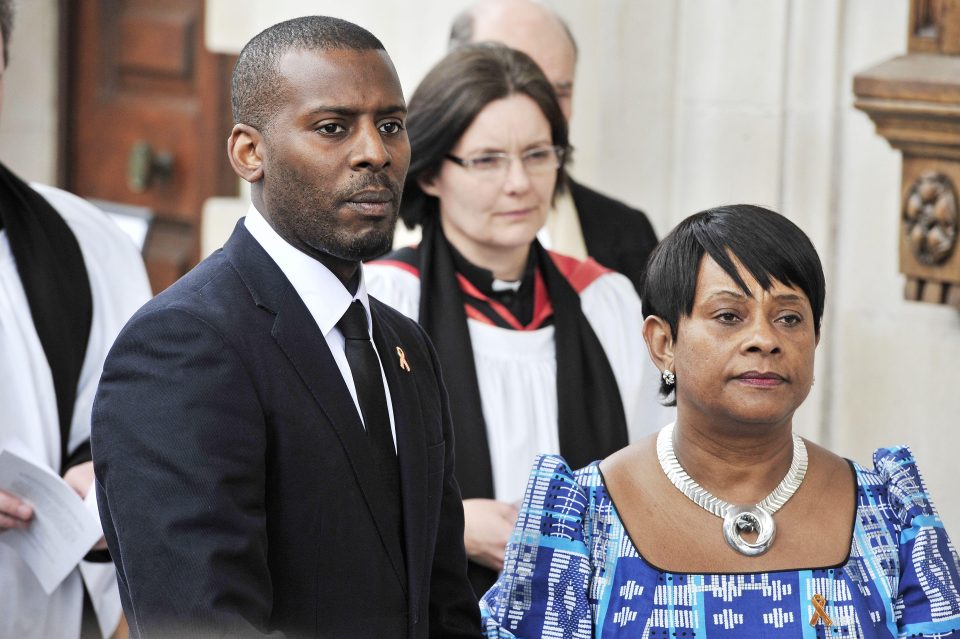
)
(736, 518)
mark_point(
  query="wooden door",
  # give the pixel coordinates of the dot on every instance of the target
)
(148, 115)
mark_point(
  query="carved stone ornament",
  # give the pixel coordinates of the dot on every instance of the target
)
(930, 218)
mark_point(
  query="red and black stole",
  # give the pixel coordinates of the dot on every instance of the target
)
(592, 424)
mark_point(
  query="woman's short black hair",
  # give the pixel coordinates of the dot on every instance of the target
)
(449, 98)
(767, 244)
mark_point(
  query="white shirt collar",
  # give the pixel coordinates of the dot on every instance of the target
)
(324, 295)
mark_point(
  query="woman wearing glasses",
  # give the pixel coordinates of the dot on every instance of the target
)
(540, 352)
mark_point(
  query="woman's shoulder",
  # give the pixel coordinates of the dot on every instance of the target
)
(559, 492)
(406, 259)
(928, 568)
(896, 479)
(580, 273)
(587, 276)
(607, 298)
(558, 471)
(394, 279)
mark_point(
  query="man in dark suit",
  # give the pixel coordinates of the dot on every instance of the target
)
(583, 221)
(263, 467)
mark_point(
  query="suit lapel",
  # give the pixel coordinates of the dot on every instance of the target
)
(298, 337)
(411, 449)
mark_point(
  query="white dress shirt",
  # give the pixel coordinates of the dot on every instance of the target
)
(325, 297)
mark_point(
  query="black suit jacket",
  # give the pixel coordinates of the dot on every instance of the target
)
(237, 492)
(619, 237)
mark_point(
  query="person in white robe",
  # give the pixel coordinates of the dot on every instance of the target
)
(69, 280)
(29, 426)
(540, 352)
(517, 369)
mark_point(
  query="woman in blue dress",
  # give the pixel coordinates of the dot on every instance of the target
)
(726, 524)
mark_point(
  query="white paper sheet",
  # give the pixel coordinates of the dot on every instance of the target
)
(63, 528)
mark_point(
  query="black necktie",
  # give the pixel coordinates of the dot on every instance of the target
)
(365, 368)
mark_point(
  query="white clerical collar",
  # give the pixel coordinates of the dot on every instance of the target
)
(503, 285)
(322, 292)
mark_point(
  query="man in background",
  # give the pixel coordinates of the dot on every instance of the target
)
(583, 222)
(69, 279)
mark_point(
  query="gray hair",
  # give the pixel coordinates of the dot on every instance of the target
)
(461, 30)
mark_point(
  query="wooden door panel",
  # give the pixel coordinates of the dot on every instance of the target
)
(145, 93)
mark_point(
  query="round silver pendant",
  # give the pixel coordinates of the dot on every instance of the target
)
(748, 519)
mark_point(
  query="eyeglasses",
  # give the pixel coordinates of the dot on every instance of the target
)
(537, 161)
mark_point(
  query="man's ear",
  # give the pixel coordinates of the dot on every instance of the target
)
(245, 148)
(659, 339)
(429, 186)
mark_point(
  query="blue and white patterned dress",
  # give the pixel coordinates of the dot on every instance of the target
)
(571, 571)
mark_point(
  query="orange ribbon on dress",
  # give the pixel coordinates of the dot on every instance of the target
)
(403, 359)
(820, 612)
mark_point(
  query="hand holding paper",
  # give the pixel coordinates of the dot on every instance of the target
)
(13, 512)
(62, 528)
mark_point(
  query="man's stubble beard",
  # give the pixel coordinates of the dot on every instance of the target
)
(298, 215)
(360, 248)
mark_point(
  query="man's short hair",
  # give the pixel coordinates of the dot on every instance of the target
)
(257, 83)
(6, 28)
(461, 31)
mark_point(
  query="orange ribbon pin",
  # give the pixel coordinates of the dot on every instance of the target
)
(820, 612)
(403, 359)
